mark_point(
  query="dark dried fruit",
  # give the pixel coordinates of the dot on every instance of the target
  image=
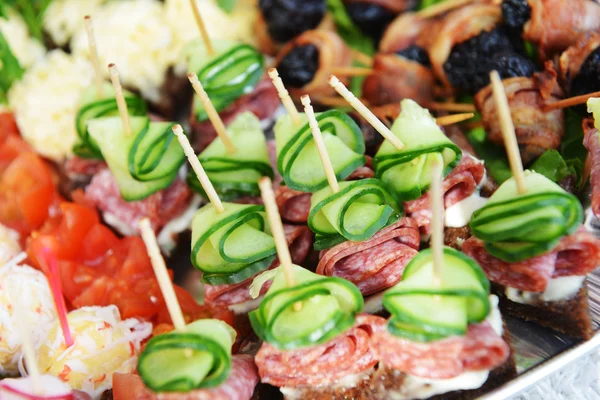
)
(372, 19)
(588, 78)
(415, 53)
(299, 66)
(287, 19)
(515, 14)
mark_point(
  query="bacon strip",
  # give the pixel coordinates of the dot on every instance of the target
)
(405, 30)
(375, 264)
(299, 240)
(574, 57)
(577, 254)
(458, 185)
(480, 349)
(347, 354)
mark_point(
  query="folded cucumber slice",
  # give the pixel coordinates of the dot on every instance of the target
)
(180, 361)
(517, 226)
(232, 246)
(427, 308)
(232, 72)
(236, 174)
(298, 156)
(91, 107)
(358, 211)
(329, 305)
(407, 172)
(139, 169)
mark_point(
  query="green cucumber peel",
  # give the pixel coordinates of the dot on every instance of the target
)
(356, 212)
(426, 308)
(297, 152)
(91, 107)
(136, 161)
(236, 174)
(407, 172)
(232, 246)
(516, 227)
(197, 357)
(329, 307)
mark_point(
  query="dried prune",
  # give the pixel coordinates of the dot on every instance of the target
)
(415, 53)
(372, 19)
(588, 78)
(299, 66)
(287, 19)
(515, 14)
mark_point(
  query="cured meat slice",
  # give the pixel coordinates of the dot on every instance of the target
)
(375, 264)
(577, 254)
(348, 354)
(240, 385)
(574, 57)
(405, 30)
(592, 144)
(294, 206)
(458, 185)
(160, 207)
(299, 240)
(480, 349)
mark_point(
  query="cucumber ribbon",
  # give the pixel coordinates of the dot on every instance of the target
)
(233, 71)
(195, 358)
(329, 307)
(92, 107)
(407, 172)
(358, 211)
(424, 309)
(236, 175)
(298, 156)
(232, 246)
(516, 226)
(143, 163)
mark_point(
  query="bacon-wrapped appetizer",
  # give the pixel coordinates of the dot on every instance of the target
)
(579, 66)
(537, 130)
(373, 16)
(552, 25)
(532, 247)
(445, 333)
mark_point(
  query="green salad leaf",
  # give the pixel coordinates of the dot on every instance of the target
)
(552, 165)
(226, 5)
(10, 69)
(32, 12)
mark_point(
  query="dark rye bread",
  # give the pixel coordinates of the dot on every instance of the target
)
(570, 317)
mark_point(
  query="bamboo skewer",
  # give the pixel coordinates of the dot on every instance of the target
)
(211, 193)
(508, 132)
(437, 221)
(456, 107)
(442, 7)
(162, 275)
(365, 112)
(203, 32)
(453, 119)
(284, 95)
(89, 28)
(121, 104)
(351, 71)
(570, 102)
(212, 113)
(362, 57)
(316, 132)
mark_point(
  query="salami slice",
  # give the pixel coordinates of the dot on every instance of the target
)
(377, 263)
(577, 254)
(480, 349)
(592, 144)
(294, 206)
(349, 353)
(299, 240)
(458, 185)
(240, 385)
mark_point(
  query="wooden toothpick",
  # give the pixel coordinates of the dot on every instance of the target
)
(508, 132)
(203, 32)
(570, 102)
(362, 57)
(453, 119)
(436, 198)
(455, 107)
(316, 132)
(284, 95)
(114, 77)
(351, 71)
(89, 28)
(162, 275)
(209, 189)
(365, 112)
(212, 113)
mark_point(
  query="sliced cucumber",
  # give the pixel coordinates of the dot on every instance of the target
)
(329, 305)
(236, 175)
(180, 361)
(298, 156)
(92, 107)
(358, 211)
(407, 172)
(232, 246)
(517, 226)
(122, 154)
(425, 307)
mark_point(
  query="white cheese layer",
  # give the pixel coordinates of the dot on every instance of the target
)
(246, 307)
(459, 214)
(26, 49)
(420, 388)
(168, 234)
(563, 288)
(347, 382)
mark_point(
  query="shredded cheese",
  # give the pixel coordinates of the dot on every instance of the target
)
(64, 17)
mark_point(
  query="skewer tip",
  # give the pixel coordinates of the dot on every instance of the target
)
(178, 130)
(193, 77)
(305, 99)
(113, 69)
(87, 18)
(333, 80)
(264, 183)
(273, 73)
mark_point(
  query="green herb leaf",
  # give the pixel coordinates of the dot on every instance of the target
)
(32, 12)
(10, 69)
(552, 165)
(226, 5)
(572, 149)
(493, 155)
(427, 3)
(348, 30)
